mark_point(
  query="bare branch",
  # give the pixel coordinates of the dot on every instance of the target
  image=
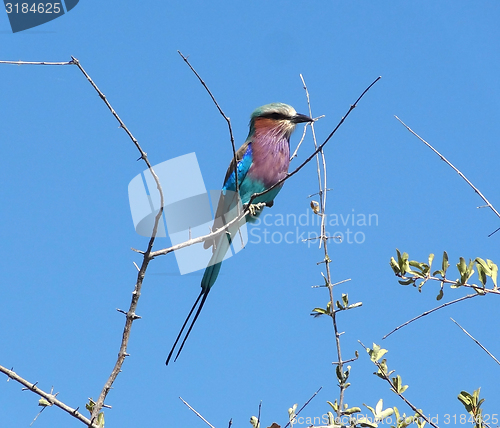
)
(305, 404)
(469, 296)
(201, 417)
(477, 342)
(453, 167)
(130, 314)
(332, 285)
(228, 120)
(51, 398)
(322, 193)
(37, 63)
(300, 142)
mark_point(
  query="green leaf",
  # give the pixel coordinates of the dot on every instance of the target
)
(331, 419)
(364, 422)
(335, 406)
(378, 412)
(100, 420)
(494, 272)
(345, 299)
(397, 383)
(317, 312)
(43, 402)
(376, 353)
(483, 270)
(394, 266)
(461, 266)
(385, 413)
(466, 400)
(445, 265)
(431, 258)
(440, 295)
(351, 410)
(418, 265)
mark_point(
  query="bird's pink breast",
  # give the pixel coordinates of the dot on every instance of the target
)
(270, 158)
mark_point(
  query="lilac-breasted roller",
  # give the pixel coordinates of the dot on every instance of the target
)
(262, 161)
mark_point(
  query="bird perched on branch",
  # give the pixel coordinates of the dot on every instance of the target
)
(262, 161)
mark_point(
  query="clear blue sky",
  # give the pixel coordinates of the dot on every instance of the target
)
(66, 228)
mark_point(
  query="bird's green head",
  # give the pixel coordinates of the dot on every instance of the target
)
(278, 118)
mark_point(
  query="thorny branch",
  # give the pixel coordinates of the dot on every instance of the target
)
(130, 314)
(51, 398)
(322, 193)
(469, 296)
(228, 120)
(196, 413)
(477, 342)
(305, 404)
(454, 168)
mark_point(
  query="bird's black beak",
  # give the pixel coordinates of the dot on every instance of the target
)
(300, 118)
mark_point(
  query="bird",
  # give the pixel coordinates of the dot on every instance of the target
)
(262, 161)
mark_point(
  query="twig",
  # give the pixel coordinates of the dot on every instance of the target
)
(386, 378)
(300, 142)
(305, 404)
(201, 417)
(130, 314)
(49, 397)
(258, 417)
(480, 290)
(454, 168)
(332, 285)
(227, 119)
(469, 296)
(322, 193)
(477, 342)
(37, 63)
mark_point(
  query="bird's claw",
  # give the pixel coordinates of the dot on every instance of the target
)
(255, 208)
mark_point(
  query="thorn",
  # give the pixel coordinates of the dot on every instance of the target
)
(137, 267)
(122, 311)
(137, 251)
(144, 156)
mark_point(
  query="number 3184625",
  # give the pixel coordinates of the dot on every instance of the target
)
(34, 8)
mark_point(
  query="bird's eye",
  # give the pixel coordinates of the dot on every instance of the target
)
(275, 116)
